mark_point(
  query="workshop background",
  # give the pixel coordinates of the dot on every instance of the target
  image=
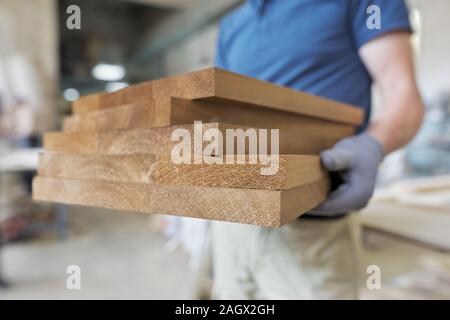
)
(44, 66)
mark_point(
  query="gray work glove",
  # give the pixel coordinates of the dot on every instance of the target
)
(356, 160)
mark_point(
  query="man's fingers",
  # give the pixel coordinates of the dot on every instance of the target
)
(342, 200)
(336, 159)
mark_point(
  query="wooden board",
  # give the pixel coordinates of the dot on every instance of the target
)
(157, 141)
(176, 111)
(90, 102)
(144, 114)
(269, 208)
(293, 171)
(221, 86)
(139, 141)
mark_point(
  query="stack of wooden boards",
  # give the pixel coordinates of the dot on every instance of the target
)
(114, 151)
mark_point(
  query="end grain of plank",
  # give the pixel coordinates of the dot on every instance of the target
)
(139, 141)
(220, 85)
(88, 103)
(144, 114)
(260, 207)
(157, 140)
(293, 171)
(176, 111)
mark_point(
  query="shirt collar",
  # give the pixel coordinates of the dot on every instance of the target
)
(258, 5)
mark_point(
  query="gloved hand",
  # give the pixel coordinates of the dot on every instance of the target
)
(356, 160)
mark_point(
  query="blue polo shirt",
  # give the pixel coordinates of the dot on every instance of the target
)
(308, 45)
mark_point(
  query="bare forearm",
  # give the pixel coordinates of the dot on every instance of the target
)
(390, 63)
(399, 119)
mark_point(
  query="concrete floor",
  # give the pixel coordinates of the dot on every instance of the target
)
(122, 257)
(408, 271)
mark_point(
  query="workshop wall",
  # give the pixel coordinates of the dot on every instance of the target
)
(29, 57)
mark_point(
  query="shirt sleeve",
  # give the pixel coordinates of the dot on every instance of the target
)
(373, 18)
(220, 60)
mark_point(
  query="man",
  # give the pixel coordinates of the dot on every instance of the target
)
(335, 49)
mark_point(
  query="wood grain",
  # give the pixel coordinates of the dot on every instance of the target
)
(293, 171)
(176, 111)
(249, 206)
(145, 114)
(139, 141)
(235, 87)
(157, 140)
(191, 85)
(222, 86)
(88, 103)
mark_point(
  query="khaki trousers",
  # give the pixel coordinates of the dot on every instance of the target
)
(306, 259)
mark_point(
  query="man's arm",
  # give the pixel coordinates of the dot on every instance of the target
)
(390, 63)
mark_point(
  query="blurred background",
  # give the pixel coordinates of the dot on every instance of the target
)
(44, 66)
